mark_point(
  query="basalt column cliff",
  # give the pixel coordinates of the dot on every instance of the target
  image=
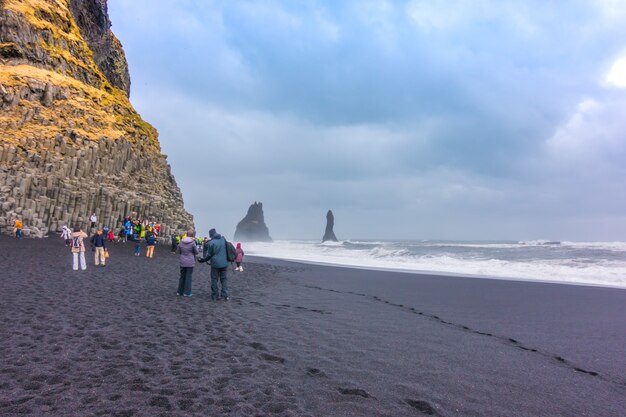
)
(70, 141)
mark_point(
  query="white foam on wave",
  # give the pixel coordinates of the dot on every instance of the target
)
(396, 256)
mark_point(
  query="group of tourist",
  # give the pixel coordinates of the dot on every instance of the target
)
(133, 229)
(138, 229)
(213, 250)
(76, 241)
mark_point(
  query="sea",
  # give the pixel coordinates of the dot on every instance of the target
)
(586, 263)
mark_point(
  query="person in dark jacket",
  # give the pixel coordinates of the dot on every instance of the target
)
(205, 247)
(216, 255)
(174, 242)
(187, 252)
(151, 241)
(98, 242)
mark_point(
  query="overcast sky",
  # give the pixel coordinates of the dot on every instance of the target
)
(422, 119)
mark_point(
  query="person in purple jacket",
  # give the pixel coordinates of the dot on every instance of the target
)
(187, 254)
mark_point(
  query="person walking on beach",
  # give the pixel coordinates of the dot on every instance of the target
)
(99, 243)
(17, 227)
(78, 248)
(65, 235)
(239, 258)
(151, 241)
(216, 255)
(187, 252)
(93, 220)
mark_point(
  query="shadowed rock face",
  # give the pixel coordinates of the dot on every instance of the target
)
(92, 18)
(329, 235)
(252, 228)
(71, 143)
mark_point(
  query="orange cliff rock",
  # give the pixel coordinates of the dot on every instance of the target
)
(70, 141)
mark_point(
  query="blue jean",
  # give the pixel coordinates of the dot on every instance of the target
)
(18, 233)
(184, 283)
(219, 274)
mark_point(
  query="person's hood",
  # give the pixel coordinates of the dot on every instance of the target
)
(216, 236)
(77, 234)
(188, 240)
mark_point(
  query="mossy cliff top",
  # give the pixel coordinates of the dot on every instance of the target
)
(62, 71)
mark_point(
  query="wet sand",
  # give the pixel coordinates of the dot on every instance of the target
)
(298, 340)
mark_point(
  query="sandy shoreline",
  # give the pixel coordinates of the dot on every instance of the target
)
(299, 340)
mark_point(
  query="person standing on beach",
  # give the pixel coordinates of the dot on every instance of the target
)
(187, 252)
(65, 235)
(99, 243)
(93, 220)
(205, 247)
(174, 242)
(216, 255)
(151, 241)
(18, 225)
(239, 258)
(78, 248)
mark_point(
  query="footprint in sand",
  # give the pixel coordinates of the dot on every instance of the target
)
(355, 391)
(257, 346)
(315, 372)
(422, 406)
(272, 358)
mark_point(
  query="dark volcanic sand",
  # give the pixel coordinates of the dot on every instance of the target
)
(298, 340)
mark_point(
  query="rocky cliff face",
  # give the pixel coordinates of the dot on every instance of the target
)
(70, 141)
(252, 228)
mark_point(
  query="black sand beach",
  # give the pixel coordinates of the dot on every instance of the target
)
(298, 340)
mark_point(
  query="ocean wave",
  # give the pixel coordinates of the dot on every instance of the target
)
(421, 257)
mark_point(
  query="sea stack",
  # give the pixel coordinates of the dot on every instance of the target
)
(252, 228)
(71, 143)
(329, 235)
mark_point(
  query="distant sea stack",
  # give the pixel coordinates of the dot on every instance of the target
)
(252, 228)
(71, 143)
(329, 235)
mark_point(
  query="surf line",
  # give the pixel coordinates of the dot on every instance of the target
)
(554, 358)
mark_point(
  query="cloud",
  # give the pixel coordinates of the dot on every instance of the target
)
(413, 119)
(617, 74)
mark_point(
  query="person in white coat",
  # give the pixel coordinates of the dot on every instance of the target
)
(65, 235)
(78, 248)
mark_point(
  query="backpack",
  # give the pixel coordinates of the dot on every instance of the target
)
(231, 252)
(76, 242)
